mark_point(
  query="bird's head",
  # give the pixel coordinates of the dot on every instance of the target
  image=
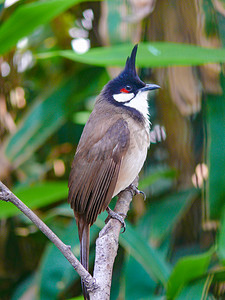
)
(123, 89)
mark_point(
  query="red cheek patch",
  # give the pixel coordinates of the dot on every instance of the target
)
(124, 91)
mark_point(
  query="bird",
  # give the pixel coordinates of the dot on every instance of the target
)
(111, 151)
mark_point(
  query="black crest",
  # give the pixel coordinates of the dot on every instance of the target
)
(130, 63)
(128, 77)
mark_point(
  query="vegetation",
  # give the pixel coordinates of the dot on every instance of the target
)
(174, 245)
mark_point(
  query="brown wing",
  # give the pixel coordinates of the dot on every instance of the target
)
(95, 171)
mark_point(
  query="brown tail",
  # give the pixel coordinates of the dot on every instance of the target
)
(84, 236)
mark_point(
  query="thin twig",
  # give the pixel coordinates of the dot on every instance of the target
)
(7, 195)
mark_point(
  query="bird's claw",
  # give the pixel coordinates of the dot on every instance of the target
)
(137, 191)
(112, 214)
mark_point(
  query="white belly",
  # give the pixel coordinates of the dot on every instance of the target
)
(134, 159)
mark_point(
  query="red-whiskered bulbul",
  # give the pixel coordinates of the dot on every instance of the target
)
(111, 151)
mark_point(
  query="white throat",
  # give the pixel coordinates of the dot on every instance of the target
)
(140, 103)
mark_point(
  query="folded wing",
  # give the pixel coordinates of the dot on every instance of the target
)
(95, 171)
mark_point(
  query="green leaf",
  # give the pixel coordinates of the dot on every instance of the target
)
(81, 117)
(77, 298)
(187, 269)
(221, 239)
(54, 277)
(151, 260)
(42, 120)
(220, 23)
(197, 290)
(155, 54)
(218, 274)
(55, 272)
(148, 257)
(29, 16)
(45, 117)
(34, 197)
(152, 178)
(63, 209)
(214, 109)
(210, 20)
(163, 214)
(138, 284)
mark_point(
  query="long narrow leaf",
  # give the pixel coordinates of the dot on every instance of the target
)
(215, 153)
(45, 117)
(155, 54)
(150, 259)
(196, 290)
(221, 239)
(36, 196)
(164, 214)
(55, 272)
(138, 284)
(29, 16)
(41, 121)
(187, 269)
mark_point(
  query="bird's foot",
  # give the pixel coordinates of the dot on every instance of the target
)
(137, 192)
(117, 216)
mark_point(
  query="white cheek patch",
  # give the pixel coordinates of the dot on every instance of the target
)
(123, 97)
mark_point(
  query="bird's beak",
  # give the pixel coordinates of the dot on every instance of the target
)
(150, 87)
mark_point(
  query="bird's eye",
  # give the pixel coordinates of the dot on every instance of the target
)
(128, 88)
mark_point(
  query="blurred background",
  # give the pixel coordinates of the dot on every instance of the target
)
(55, 58)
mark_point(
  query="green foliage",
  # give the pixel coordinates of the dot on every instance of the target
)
(155, 176)
(150, 259)
(163, 254)
(77, 298)
(195, 290)
(138, 284)
(163, 215)
(55, 273)
(155, 54)
(45, 117)
(187, 269)
(34, 130)
(215, 153)
(35, 196)
(28, 17)
(221, 239)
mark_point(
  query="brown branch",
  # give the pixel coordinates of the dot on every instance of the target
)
(8, 196)
(107, 243)
(107, 246)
